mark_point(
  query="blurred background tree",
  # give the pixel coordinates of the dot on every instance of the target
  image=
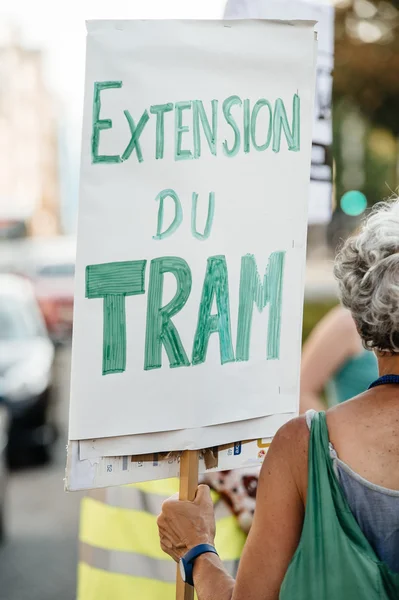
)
(365, 104)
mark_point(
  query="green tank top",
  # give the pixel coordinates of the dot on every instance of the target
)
(352, 378)
(334, 560)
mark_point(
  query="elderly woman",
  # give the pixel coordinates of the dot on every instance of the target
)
(326, 524)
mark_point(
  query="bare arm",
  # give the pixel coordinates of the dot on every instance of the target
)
(274, 535)
(211, 579)
(331, 342)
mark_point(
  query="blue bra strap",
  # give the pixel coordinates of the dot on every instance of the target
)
(385, 379)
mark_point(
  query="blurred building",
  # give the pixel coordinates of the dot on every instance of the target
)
(29, 178)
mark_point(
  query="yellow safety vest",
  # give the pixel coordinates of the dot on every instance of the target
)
(120, 556)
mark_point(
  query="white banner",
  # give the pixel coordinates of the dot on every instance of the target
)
(322, 11)
(192, 228)
(107, 471)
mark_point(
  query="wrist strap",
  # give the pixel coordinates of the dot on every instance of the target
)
(191, 555)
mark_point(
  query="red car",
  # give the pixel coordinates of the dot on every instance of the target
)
(51, 270)
(54, 292)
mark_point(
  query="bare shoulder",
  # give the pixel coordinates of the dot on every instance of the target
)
(288, 453)
(336, 328)
(342, 318)
(360, 421)
(295, 432)
(346, 414)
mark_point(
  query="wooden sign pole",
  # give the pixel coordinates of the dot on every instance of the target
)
(189, 465)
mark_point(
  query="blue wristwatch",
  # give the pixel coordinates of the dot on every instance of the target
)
(186, 563)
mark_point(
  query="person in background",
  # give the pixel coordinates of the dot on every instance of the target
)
(335, 361)
(119, 553)
(326, 523)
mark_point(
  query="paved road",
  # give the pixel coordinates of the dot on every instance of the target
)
(38, 560)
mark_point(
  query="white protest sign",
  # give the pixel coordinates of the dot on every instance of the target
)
(322, 11)
(192, 227)
(110, 470)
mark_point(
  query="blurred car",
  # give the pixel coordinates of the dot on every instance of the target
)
(26, 372)
(3, 465)
(51, 268)
(54, 291)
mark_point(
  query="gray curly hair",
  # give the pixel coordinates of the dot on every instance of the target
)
(367, 270)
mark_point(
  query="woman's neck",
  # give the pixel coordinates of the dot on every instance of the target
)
(388, 364)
